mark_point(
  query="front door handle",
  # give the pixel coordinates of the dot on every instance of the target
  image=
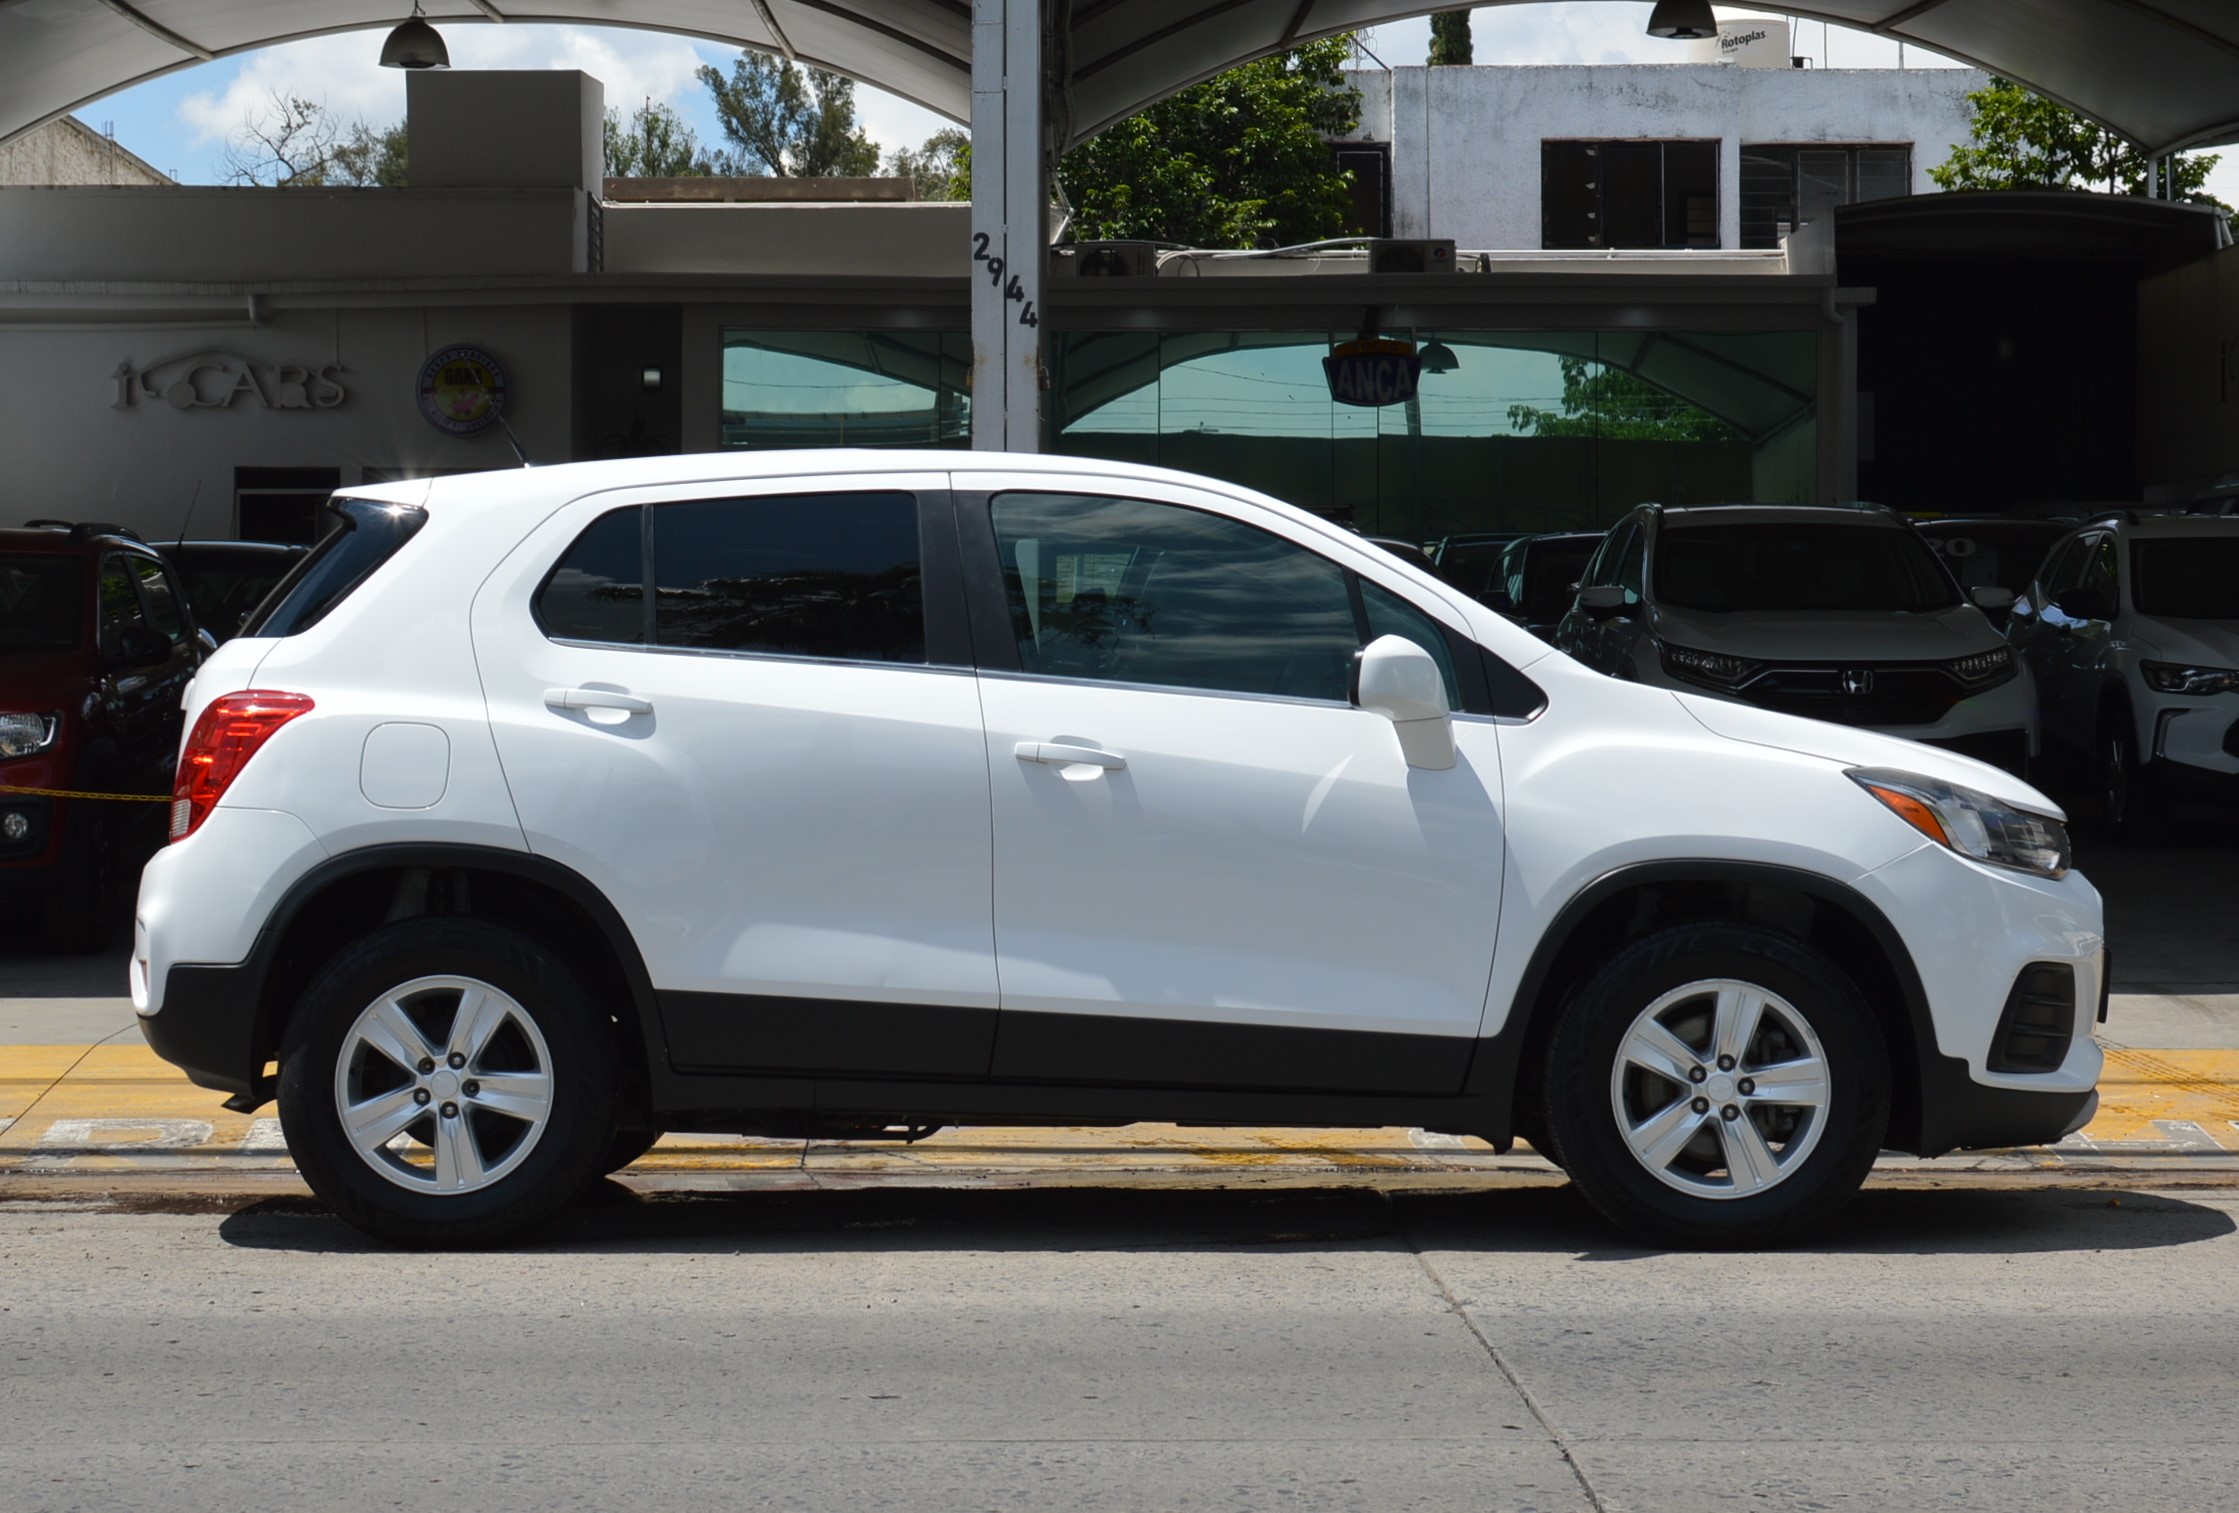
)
(1065, 754)
(596, 698)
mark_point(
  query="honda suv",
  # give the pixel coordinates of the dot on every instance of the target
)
(1840, 614)
(96, 645)
(2132, 631)
(834, 794)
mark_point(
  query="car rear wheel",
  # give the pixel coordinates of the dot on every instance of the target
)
(1717, 1085)
(445, 1082)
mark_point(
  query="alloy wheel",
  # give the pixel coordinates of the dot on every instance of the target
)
(444, 1085)
(1720, 1089)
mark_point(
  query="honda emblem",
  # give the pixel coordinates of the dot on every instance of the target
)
(1858, 681)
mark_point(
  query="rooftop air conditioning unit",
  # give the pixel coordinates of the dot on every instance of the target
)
(1112, 259)
(1410, 255)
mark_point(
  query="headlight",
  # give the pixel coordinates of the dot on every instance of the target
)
(1713, 668)
(2175, 677)
(22, 734)
(1992, 666)
(1970, 823)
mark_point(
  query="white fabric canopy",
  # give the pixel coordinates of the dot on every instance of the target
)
(2164, 73)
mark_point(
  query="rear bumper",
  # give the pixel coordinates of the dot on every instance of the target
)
(208, 1028)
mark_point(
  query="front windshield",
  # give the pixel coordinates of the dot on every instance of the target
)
(1786, 566)
(41, 601)
(2186, 577)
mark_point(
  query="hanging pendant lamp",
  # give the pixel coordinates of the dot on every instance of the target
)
(1683, 20)
(415, 44)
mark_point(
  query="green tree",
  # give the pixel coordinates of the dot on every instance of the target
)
(1449, 38)
(1613, 405)
(373, 157)
(1241, 160)
(789, 122)
(942, 168)
(653, 143)
(2024, 141)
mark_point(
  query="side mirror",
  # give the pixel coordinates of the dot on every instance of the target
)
(1604, 601)
(1993, 598)
(1497, 599)
(1397, 679)
(138, 646)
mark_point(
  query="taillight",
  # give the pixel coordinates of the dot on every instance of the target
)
(226, 735)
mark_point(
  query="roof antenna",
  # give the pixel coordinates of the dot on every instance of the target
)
(189, 520)
(498, 415)
(513, 441)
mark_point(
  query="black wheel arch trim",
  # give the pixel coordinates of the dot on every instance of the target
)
(1949, 1100)
(220, 1024)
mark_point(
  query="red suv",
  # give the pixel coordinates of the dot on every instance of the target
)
(97, 645)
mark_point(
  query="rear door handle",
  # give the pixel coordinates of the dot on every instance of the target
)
(596, 698)
(1064, 754)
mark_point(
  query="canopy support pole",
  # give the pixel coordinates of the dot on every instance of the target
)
(1010, 224)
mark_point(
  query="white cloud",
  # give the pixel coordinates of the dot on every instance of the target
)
(1573, 32)
(343, 72)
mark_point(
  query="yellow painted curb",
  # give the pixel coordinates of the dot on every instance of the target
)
(70, 1109)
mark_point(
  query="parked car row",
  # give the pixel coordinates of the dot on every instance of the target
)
(2109, 646)
(100, 634)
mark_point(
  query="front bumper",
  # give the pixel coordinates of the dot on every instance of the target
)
(1971, 930)
(2198, 739)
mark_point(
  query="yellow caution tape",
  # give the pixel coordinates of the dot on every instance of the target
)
(72, 793)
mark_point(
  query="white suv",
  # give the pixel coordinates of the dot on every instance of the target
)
(2132, 631)
(1841, 614)
(841, 794)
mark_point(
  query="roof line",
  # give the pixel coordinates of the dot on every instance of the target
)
(161, 32)
(1890, 23)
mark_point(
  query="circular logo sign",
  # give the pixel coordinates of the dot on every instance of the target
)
(462, 390)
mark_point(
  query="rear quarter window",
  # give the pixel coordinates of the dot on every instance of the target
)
(369, 534)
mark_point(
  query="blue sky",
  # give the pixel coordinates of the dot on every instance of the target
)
(180, 122)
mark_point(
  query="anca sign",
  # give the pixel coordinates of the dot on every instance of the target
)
(1373, 372)
(215, 380)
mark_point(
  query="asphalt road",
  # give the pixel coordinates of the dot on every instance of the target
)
(898, 1350)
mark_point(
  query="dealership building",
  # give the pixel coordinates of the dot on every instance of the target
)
(1685, 282)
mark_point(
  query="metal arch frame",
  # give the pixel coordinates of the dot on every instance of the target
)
(1296, 23)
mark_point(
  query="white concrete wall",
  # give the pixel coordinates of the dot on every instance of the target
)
(67, 151)
(230, 235)
(1465, 141)
(141, 465)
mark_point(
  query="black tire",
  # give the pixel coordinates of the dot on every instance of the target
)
(1819, 1158)
(626, 1146)
(78, 917)
(575, 1060)
(2129, 789)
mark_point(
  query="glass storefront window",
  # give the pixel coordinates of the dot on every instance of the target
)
(1524, 431)
(846, 389)
(1536, 431)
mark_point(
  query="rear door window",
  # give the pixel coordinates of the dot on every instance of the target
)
(120, 602)
(801, 575)
(836, 576)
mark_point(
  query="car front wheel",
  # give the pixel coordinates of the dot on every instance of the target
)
(445, 1082)
(1717, 1085)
